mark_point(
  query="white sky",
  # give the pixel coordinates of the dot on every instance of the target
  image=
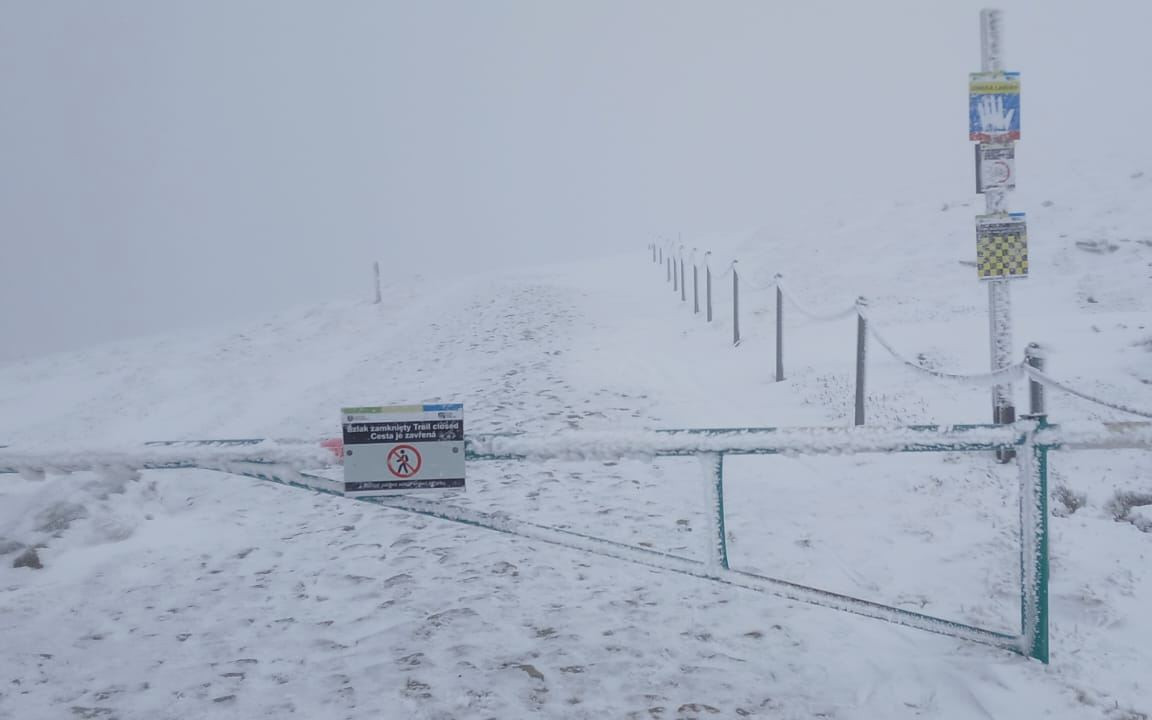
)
(170, 163)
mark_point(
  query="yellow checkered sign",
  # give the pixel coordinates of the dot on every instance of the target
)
(1001, 246)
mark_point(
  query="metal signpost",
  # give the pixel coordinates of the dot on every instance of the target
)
(994, 122)
(402, 448)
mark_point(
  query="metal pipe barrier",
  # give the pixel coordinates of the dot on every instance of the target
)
(296, 463)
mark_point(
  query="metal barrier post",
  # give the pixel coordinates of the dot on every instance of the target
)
(708, 285)
(695, 286)
(1034, 356)
(717, 551)
(1032, 462)
(683, 295)
(1007, 417)
(735, 305)
(861, 359)
(779, 331)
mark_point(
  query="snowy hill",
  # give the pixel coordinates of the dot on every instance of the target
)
(184, 594)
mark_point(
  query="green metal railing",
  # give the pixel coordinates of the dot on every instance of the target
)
(713, 444)
(1031, 437)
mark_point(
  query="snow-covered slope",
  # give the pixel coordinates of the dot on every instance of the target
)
(183, 594)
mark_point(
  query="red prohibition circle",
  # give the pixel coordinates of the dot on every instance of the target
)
(1001, 171)
(404, 461)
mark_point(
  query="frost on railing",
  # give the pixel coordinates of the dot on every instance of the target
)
(1093, 435)
(1051, 382)
(810, 314)
(1009, 374)
(289, 463)
(209, 455)
(1005, 375)
(821, 440)
(584, 445)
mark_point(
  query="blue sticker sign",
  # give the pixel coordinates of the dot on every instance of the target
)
(994, 106)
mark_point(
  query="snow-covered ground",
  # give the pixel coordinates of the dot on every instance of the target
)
(187, 594)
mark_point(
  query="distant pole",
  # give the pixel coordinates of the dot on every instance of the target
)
(708, 286)
(661, 251)
(683, 293)
(668, 269)
(861, 358)
(735, 306)
(675, 274)
(695, 285)
(779, 331)
(376, 270)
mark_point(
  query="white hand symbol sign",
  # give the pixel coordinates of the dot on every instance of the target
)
(993, 117)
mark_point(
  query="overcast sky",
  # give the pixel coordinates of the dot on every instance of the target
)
(172, 163)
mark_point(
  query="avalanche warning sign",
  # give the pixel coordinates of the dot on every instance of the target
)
(403, 448)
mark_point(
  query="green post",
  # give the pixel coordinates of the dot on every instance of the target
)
(1040, 628)
(718, 543)
(720, 511)
(1034, 543)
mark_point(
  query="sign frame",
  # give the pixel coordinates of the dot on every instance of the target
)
(399, 449)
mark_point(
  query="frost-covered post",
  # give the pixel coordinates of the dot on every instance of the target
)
(779, 330)
(716, 556)
(695, 285)
(861, 357)
(683, 292)
(735, 306)
(996, 202)
(1032, 463)
(1034, 356)
(376, 269)
(708, 286)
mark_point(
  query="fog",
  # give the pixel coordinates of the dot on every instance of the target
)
(167, 164)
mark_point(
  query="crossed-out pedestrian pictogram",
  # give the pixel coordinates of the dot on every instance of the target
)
(404, 461)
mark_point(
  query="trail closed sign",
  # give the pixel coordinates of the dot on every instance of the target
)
(403, 448)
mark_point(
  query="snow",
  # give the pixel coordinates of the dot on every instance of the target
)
(298, 455)
(185, 593)
(223, 596)
(1141, 517)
